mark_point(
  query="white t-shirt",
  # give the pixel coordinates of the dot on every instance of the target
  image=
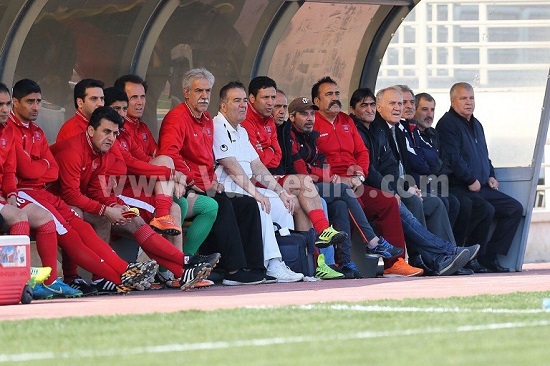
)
(230, 142)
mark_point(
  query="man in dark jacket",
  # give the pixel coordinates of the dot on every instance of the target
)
(466, 160)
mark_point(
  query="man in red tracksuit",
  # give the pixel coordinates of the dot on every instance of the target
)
(21, 215)
(36, 167)
(88, 95)
(90, 166)
(187, 136)
(262, 133)
(135, 88)
(348, 157)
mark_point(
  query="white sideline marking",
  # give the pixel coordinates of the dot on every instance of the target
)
(377, 308)
(21, 357)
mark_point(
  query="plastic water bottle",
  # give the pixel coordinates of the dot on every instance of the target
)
(546, 304)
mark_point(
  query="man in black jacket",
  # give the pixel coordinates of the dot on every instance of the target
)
(466, 160)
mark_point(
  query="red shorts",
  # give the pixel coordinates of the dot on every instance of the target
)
(61, 212)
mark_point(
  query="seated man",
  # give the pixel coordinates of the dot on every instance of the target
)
(186, 135)
(262, 132)
(90, 165)
(471, 173)
(239, 163)
(306, 160)
(19, 216)
(36, 167)
(347, 155)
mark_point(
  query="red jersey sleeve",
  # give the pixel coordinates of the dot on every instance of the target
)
(36, 162)
(70, 168)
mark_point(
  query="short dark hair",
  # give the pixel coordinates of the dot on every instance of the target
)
(24, 87)
(317, 85)
(130, 78)
(82, 85)
(230, 85)
(359, 95)
(113, 94)
(107, 113)
(4, 89)
(418, 97)
(260, 82)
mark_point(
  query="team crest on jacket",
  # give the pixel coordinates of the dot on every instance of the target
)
(3, 143)
(95, 165)
(268, 129)
(124, 144)
(144, 136)
(346, 127)
(37, 136)
(208, 131)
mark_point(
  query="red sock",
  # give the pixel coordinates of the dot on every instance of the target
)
(319, 220)
(163, 203)
(95, 243)
(85, 257)
(160, 249)
(20, 228)
(46, 245)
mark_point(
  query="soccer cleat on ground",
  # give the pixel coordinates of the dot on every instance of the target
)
(57, 288)
(139, 274)
(194, 260)
(165, 225)
(402, 269)
(384, 249)
(39, 275)
(81, 285)
(106, 287)
(192, 275)
(324, 272)
(329, 237)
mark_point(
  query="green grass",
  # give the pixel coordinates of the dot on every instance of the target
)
(482, 330)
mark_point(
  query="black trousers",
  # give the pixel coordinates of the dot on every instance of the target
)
(236, 233)
(478, 210)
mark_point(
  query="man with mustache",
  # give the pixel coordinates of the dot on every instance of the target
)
(471, 173)
(187, 136)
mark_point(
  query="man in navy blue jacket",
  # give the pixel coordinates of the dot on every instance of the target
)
(466, 161)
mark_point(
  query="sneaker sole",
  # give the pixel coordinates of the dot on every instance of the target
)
(415, 274)
(169, 232)
(335, 240)
(237, 283)
(459, 262)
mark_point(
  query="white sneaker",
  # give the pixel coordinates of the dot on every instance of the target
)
(282, 273)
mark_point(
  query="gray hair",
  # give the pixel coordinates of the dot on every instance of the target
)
(404, 89)
(461, 85)
(381, 92)
(195, 74)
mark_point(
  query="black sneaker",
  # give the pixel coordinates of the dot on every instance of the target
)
(347, 273)
(194, 260)
(473, 249)
(86, 288)
(192, 275)
(243, 277)
(268, 278)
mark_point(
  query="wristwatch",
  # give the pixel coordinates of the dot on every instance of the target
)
(361, 178)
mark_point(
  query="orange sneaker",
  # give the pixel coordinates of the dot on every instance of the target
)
(165, 225)
(204, 283)
(402, 269)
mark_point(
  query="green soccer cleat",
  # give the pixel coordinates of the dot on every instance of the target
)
(329, 237)
(324, 272)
